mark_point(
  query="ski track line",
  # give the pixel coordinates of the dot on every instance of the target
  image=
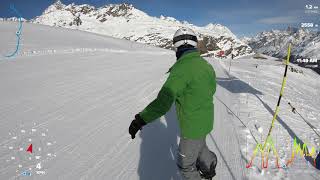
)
(37, 53)
(118, 152)
(106, 124)
(66, 90)
(110, 153)
(226, 140)
(127, 168)
(236, 134)
(90, 135)
(77, 99)
(103, 124)
(83, 163)
(47, 115)
(90, 140)
(74, 99)
(98, 128)
(97, 165)
(223, 149)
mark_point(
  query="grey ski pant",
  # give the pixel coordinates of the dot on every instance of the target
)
(192, 152)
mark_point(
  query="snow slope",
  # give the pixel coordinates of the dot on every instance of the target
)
(255, 86)
(73, 94)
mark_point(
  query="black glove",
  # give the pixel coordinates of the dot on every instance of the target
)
(136, 125)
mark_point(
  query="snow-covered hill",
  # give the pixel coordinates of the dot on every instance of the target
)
(306, 43)
(73, 94)
(126, 22)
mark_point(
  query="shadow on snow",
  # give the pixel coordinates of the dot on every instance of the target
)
(235, 85)
(158, 149)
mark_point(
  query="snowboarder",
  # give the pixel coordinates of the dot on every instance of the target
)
(191, 85)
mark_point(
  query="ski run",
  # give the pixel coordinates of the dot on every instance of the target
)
(73, 95)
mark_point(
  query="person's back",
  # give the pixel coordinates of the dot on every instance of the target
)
(191, 85)
(194, 105)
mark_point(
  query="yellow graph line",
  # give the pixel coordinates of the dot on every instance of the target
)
(265, 154)
(296, 149)
(303, 152)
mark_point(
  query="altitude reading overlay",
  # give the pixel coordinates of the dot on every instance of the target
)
(312, 15)
(310, 25)
(25, 152)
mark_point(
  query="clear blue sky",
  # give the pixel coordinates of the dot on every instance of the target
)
(243, 17)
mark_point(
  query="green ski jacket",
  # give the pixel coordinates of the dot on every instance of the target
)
(191, 85)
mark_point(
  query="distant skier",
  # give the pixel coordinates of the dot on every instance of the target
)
(77, 20)
(191, 85)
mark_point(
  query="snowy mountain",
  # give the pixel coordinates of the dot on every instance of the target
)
(305, 43)
(245, 39)
(126, 22)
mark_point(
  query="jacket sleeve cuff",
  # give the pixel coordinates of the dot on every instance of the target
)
(140, 120)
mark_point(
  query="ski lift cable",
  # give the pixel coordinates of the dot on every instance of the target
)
(255, 139)
(294, 110)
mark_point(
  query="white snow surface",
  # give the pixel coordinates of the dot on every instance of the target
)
(79, 92)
